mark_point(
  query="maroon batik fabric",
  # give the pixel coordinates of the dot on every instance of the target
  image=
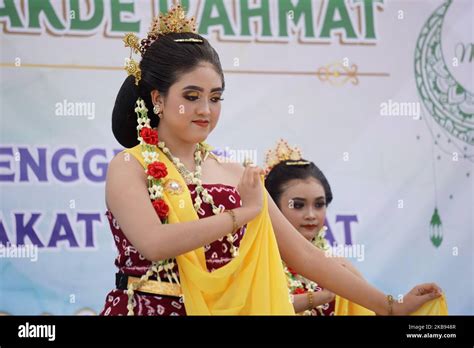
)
(130, 262)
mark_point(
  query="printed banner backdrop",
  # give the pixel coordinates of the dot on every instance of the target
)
(378, 93)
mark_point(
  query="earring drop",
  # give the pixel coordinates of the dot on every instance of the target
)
(156, 109)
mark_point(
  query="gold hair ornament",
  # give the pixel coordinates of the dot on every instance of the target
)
(174, 21)
(283, 152)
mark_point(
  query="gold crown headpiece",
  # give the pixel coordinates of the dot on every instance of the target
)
(174, 21)
(283, 152)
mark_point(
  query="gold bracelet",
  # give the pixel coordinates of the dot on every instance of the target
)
(390, 304)
(310, 299)
(234, 220)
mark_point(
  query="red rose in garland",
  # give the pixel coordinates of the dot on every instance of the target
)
(157, 170)
(149, 136)
(161, 208)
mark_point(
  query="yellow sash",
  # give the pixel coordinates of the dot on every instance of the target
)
(436, 306)
(253, 283)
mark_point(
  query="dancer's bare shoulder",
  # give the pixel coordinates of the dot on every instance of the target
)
(219, 170)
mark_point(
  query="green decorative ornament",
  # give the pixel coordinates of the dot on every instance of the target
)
(440, 65)
(436, 229)
(448, 102)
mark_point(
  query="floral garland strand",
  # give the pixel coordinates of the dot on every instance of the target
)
(298, 284)
(320, 240)
(155, 171)
(195, 178)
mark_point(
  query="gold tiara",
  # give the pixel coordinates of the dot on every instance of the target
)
(283, 152)
(174, 21)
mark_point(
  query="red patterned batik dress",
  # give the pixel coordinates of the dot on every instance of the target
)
(130, 262)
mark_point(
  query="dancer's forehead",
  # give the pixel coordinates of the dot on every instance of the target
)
(200, 89)
(304, 189)
(203, 78)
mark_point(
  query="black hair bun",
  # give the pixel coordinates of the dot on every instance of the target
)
(124, 119)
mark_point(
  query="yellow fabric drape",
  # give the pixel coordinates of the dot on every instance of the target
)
(253, 283)
(437, 306)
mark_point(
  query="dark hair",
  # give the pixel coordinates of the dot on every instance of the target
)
(162, 65)
(282, 173)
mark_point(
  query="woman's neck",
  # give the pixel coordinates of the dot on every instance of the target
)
(182, 150)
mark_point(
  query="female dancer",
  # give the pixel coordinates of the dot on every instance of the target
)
(302, 193)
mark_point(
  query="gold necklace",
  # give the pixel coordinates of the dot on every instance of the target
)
(187, 175)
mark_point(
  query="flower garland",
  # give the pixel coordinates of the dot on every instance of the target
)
(298, 284)
(156, 172)
(195, 179)
(320, 240)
